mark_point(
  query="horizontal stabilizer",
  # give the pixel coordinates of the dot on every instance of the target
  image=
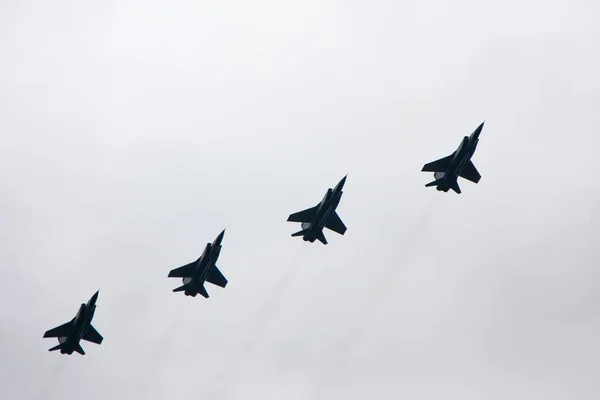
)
(183, 272)
(321, 238)
(180, 288)
(203, 292)
(216, 277)
(92, 335)
(303, 216)
(440, 165)
(455, 187)
(335, 224)
(79, 349)
(434, 183)
(470, 173)
(58, 347)
(300, 233)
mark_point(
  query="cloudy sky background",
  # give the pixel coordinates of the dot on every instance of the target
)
(135, 131)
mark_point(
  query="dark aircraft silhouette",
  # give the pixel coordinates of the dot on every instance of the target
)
(321, 216)
(447, 170)
(202, 270)
(78, 328)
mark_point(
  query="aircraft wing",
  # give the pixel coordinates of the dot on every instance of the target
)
(303, 216)
(216, 277)
(335, 224)
(470, 173)
(440, 165)
(183, 272)
(92, 335)
(60, 331)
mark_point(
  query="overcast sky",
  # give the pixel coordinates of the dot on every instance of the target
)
(133, 132)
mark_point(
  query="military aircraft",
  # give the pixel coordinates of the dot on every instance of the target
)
(321, 216)
(447, 170)
(78, 328)
(202, 270)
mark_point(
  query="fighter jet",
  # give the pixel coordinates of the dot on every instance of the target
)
(447, 170)
(202, 270)
(78, 328)
(321, 216)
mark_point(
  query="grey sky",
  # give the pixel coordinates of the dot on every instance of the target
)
(133, 132)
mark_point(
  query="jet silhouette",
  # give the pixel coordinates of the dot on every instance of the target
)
(202, 270)
(323, 215)
(78, 328)
(447, 170)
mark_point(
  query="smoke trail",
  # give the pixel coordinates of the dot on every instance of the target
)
(49, 389)
(406, 251)
(264, 317)
(159, 357)
(406, 254)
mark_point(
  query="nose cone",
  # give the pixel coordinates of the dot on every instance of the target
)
(341, 183)
(475, 135)
(220, 237)
(94, 298)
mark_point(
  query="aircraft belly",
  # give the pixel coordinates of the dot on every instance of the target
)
(204, 275)
(461, 165)
(324, 218)
(80, 332)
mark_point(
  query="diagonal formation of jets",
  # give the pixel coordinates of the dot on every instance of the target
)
(313, 220)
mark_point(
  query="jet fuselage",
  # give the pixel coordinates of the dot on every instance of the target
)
(463, 154)
(460, 158)
(324, 211)
(80, 323)
(204, 267)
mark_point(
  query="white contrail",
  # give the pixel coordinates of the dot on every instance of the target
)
(48, 390)
(159, 357)
(264, 317)
(375, 296)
